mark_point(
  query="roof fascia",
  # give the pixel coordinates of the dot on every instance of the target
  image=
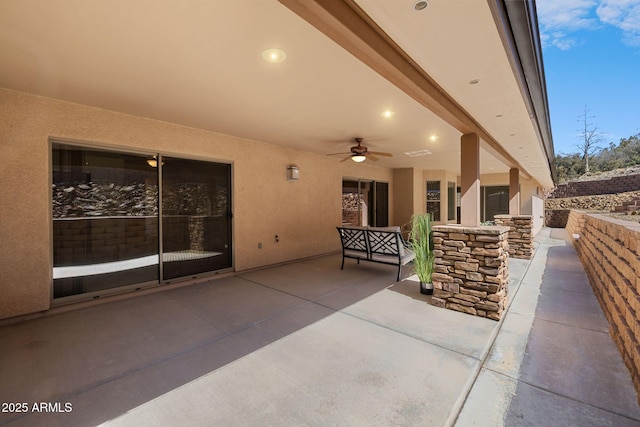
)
(517, 24)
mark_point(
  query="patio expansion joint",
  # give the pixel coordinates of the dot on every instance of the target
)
(315, 301)
(406, 334)
(555, 393)
(201, 344)
(555, 322)
(369, 321)
(457, 408)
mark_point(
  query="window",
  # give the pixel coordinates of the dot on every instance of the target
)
(494, 200)
(451, 201)
(433, 199)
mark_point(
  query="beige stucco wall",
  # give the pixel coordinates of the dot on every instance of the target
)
(303, 213)
(408, 190)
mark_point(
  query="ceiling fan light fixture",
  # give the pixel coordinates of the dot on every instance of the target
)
(358, 158)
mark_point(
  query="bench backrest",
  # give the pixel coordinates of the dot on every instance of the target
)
(354, 239)
(373, 241)
(384, 242)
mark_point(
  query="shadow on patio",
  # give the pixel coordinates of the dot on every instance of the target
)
(310, 344)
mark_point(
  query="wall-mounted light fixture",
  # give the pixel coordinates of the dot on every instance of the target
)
(293, 173)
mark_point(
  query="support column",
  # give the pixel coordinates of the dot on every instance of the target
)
(470, 180)
(514, 191)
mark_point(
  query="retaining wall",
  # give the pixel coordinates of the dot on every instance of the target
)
(616, 184)
(609, 249)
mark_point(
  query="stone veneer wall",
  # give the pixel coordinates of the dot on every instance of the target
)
(609, 249)
(520, 234)
(471, 273)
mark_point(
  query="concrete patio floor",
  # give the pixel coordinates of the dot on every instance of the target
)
(309, 344)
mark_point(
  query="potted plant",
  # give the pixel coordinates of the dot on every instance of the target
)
(421, 244)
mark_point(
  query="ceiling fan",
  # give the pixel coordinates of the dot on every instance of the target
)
(359, 153)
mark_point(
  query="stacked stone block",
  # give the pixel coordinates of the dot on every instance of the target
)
(613, 185)
(609, 249)
(471, 274)
(520, 234)
(556, 218)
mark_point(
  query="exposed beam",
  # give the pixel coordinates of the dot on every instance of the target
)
(346, 24)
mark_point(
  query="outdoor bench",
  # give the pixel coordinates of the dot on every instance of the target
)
(384, 245)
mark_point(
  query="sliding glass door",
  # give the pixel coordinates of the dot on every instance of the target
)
(133, 220)
(365, 203)
(105, 220)
(196, 217)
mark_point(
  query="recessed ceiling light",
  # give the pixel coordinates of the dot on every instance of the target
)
(274, 55)
(433, 138)
(421, 5)
(388, 114)
(474, 81)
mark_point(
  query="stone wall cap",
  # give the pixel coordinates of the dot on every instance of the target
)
(506, 216)
(630, 225)
(483, 229)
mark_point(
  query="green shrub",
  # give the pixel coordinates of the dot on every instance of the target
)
(420, 239)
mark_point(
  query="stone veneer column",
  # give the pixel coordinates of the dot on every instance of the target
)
(520, 234)
(471, 269)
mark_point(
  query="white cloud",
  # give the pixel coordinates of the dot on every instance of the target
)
(624, 14)
(560, 20)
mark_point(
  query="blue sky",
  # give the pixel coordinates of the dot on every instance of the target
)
(591, 52)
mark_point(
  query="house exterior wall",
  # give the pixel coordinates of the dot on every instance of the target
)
(302, 213)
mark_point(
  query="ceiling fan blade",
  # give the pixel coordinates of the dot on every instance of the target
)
(372, 157)
(338, 154)
(378, 153)
(346, 158)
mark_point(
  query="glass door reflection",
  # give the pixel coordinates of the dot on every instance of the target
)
(105, 220)
(196, 217)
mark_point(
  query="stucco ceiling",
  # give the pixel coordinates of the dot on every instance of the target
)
(198, 63)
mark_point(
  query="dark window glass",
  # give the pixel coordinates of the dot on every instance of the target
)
(495, 201)
(196, 217)
(382, 204)
(433, 199)
(105, 220)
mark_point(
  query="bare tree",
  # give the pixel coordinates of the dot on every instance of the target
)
(590, 138)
